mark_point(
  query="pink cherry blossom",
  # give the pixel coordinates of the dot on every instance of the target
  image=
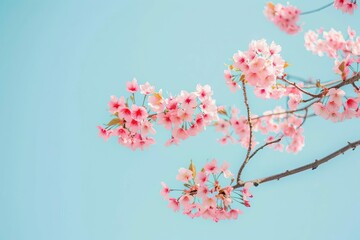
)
(174, 204)
(115, 104)
(211, 167)
(104, 133)
(233, 214)
(203, 191)
(186, 200)
(246, 192)
(132, 86)
(185, 175)
(125, 113)
(224, 168)
(180, 133)
(147, 89)
(138, 113)
(157, 102)
(321, 110)
(203, 92)
(233, 85)
(284, 17)
(294, 100)
(352, 103)
(202, 178)
(346, 6)
(147, 128)
(165, 191)
(222, 126)
(188, 100)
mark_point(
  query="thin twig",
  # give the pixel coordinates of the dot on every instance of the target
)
(285, 112)
(322, 84)
(312, 166)
(266, 144)
(304, 118)
(318, 9)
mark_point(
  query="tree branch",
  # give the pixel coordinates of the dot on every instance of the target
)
(351, 80)
(312, 166)
(246, 160)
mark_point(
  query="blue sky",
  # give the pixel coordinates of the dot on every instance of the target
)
(61, 60)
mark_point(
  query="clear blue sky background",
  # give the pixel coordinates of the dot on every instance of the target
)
(61, 60)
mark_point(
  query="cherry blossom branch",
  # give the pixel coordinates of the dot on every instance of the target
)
(317, 85)
(312, 166)
(247, 158)
(348, 81)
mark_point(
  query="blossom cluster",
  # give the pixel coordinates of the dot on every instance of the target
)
(333, 43)
(131, 124)
(184, 115)
(285, 126)
(331, 109)
(271, 122)
(204, 196)
(347, 6)
(188, 113)
(284, 17)
(259, 66)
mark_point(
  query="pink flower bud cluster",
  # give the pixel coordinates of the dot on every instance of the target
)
(184, 115)
(203, 195)
(345, 52)
(272, 122)
(347, 6)
(335, 103)
(285, 17)
(260, 66)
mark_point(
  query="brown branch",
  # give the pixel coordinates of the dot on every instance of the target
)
(246, 160)
(299, 88)
(266, 144)
(348, 81)
(351, 80)
(319, 85)
(312, 166)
